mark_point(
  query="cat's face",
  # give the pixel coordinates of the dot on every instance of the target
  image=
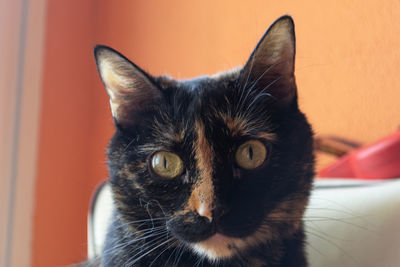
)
(223, 162)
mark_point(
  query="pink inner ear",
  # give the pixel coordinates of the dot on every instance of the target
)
(129, 88)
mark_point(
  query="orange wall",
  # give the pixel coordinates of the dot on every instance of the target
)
(348, 54)
(63, 175)
(347, 63)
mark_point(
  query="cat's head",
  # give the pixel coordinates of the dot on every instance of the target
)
(224, 162)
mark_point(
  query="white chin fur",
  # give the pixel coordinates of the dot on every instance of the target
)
(216, 247)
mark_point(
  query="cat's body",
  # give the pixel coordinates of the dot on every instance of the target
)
(214, 171)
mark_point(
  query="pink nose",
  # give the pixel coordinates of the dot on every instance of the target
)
(205, 211)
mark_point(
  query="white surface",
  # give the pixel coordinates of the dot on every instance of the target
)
(354, 226)
(98, 221)
(357, 224)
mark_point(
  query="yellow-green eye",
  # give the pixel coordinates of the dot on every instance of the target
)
(166, 164)
(251, 154)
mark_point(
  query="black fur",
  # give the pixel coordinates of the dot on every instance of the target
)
(268, 201)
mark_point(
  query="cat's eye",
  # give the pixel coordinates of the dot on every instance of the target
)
(166, 164)
(251, 154)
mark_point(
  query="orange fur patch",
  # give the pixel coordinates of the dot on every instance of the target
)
(240, 126)
(202, 197)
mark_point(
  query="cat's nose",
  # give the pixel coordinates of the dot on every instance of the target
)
(206, 212)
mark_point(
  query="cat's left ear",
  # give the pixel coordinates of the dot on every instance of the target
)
(271, 65)
(130, 89)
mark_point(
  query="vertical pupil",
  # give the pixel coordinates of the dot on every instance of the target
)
(165, 162)
(251, 152)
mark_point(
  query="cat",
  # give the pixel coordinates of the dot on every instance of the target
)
(211, 171)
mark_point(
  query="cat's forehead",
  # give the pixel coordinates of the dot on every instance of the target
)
(209, 101)
(200, 83)
(220, 79)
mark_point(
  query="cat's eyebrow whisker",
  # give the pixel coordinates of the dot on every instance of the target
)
(250, 106)
(250, 90)
(253, 56)
(241, 101)
(261, 93)
(262, 75)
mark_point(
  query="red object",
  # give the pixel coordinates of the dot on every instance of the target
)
(380, 160)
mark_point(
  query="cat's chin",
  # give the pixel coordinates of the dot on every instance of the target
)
(218, 247)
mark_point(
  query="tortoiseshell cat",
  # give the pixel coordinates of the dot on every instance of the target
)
(212, 171)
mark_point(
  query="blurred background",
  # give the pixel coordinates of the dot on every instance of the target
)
(55, 121)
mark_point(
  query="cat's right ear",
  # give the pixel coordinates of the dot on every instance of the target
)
(130, 89)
